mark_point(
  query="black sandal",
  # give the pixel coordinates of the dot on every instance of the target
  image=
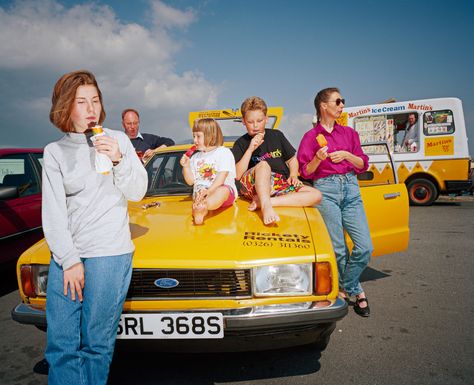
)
(345, 297)
(362, 311)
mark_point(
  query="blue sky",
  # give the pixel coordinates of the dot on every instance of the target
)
(166, 58)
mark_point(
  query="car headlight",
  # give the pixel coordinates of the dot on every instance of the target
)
(283, 280)
(34, 280)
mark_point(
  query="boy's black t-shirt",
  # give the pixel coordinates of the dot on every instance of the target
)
(275, 150)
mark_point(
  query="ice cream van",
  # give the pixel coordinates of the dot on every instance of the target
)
(428, 141)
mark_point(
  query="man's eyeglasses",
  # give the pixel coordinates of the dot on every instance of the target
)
(338, 101)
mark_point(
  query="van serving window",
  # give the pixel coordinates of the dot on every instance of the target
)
(390, 128)
(439, 122)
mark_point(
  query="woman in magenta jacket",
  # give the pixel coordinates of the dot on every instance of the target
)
(332, 165)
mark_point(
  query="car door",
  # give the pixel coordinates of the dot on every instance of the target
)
(387, 213)
(387, 208)
(20, 215)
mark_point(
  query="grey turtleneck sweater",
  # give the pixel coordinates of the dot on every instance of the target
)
(84, 213)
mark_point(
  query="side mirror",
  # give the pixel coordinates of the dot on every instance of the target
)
(366, 175)
(8, 192)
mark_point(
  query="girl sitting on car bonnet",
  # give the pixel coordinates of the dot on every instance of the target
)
(86, 226)
(211, 170)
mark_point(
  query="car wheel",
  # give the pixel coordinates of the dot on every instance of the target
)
(422, 192)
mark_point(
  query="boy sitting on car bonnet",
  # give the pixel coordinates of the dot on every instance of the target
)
(266, 165)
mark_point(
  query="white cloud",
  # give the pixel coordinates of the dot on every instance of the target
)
(133, 64)
(165, 16)
(295, 126)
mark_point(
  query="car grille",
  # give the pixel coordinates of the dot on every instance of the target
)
(200, 283)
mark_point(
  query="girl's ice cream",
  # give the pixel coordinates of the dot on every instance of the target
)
(190, 151)
(103, 164)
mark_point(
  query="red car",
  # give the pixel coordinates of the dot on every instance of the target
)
(20, 201)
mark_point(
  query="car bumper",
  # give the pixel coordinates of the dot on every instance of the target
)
(249, 327)
(248, 319)
(29, 315)
(254, 322)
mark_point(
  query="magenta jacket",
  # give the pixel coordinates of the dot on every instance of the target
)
(341, 138)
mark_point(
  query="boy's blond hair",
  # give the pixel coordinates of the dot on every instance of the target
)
(211, 130)
(253, 103)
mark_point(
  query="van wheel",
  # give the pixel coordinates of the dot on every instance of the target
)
(422, 192)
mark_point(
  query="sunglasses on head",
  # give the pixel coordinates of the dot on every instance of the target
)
(338, 101)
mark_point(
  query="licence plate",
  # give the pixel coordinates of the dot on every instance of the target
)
(171, 326)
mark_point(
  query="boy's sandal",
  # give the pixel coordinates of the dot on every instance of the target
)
(362, 311)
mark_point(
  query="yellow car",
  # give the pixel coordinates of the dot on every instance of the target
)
(232, 283)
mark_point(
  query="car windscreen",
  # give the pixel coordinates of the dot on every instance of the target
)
(165, 175)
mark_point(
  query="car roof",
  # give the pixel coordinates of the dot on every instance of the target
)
(229, 114)
(228, 142)
(233, 114)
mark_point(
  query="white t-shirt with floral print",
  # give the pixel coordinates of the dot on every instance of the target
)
(206, 165)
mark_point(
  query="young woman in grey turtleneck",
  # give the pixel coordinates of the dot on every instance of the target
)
(86, 226)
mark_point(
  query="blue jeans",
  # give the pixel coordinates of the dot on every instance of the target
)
(81, 335)
(342, 209)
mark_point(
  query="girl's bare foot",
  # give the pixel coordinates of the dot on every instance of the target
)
(199, 212)
(200, 197)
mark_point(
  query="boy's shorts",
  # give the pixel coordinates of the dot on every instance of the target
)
(279, 184)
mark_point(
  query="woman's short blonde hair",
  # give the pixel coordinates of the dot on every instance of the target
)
(211, 130)
(64, 94)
